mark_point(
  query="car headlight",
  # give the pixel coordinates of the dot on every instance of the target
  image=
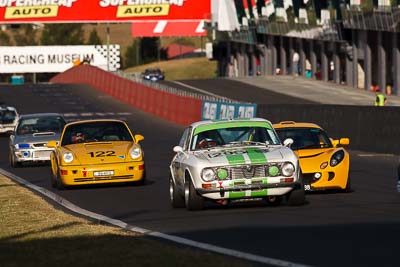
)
(68, 157)
(22, 146)
(336, 158)
(207, 174)
(135, 153)
(288, 169)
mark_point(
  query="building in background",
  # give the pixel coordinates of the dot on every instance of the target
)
(352, 42)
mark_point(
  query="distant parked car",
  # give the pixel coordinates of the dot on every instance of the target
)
(28, 142)
(153, 75)
(8, 119)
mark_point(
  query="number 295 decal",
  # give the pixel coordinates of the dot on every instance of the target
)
(99, 154)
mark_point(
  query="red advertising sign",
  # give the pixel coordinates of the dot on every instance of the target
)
(69, 11)
(168, 28)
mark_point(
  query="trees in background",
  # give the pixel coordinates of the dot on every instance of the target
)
(62, 34)
(94, 38)
(26, 35)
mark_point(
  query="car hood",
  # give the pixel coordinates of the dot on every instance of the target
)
(244, 155)
(36, 138)
(315, 153)
(100, 152)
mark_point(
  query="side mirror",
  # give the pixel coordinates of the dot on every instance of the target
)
(344, 141)
(178, 149)
(138, 138)
(52, 144)
(288, 142)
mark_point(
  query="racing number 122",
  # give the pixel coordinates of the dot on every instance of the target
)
(98, 154)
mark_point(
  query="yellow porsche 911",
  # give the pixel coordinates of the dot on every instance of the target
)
(324, 162)
(96, 151)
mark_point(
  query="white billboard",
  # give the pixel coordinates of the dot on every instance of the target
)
(41, 59)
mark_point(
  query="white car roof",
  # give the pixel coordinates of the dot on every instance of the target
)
(207, 122)
(8, 108)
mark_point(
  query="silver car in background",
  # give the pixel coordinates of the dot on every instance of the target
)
(33, 131)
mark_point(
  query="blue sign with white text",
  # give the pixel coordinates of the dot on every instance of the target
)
(224, 110)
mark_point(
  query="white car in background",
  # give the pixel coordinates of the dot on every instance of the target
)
(233, 160)
(8, 119)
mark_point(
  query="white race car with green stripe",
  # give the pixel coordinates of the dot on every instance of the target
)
(229, 160)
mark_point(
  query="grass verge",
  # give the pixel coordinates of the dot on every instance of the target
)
(34, 233)
(182, 69)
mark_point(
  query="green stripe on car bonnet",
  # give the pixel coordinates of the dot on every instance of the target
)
(256, 156)
(235, 159)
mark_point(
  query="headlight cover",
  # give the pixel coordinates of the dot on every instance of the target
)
(22, 146)
(288, 169)
(336, 158)
(135, 153)
(68, 157)
(207, 174)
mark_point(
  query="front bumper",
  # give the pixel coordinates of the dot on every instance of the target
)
(248, 189)
(32, 155)
(7, 129)
(328, 180)
(85, 174)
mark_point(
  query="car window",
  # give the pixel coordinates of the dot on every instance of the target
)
(219, 137)
(184, 138)
(41, 124)
(96, 132)
(7, 116)
(305, 138)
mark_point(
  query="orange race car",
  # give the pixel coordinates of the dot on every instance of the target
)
(324, 162)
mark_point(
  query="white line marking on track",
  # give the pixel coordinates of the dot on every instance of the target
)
(376, 155)
(180, 240)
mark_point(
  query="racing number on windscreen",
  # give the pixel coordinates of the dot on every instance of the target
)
(99, 154)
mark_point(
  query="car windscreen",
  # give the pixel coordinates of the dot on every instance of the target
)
(42, 124)
(305, 138)
(95, 132)
(232, 135)
(7, 116)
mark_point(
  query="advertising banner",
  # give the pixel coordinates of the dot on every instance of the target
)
(42, 59)
(225, 110)
(168, 28)
(73, 11)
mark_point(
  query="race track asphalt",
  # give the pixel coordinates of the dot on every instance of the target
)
(361, 228)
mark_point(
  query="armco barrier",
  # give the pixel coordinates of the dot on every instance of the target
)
(373, 129)
(179, 109)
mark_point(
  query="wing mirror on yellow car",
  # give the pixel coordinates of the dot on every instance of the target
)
(52, 144)
(344, 141)
(341, 141)
(138, 138)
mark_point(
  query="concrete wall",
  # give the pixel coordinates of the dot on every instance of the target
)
(369, 129)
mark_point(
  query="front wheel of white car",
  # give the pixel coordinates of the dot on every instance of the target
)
(296, 197)
(193, 200)
(177, 200)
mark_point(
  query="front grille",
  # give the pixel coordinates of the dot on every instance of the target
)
(248, 171)
(108, 178)
(308, 178)
(38, 145)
